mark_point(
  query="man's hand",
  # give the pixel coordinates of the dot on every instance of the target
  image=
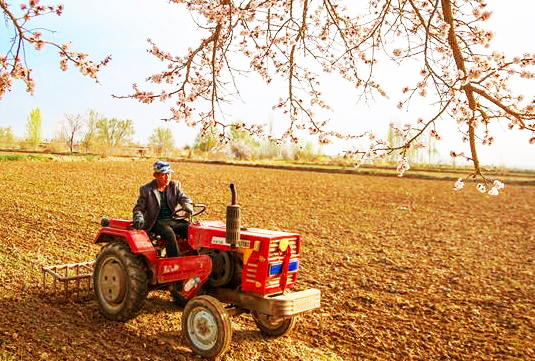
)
(188, 208)
(138, 221)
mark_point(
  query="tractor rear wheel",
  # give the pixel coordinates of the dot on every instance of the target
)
(274, 326)
(119, 281)
(206, 326)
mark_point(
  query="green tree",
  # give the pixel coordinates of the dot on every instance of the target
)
(417, 152)
(162, 140)
(114, 132)
(243, 145)
(207, 139)
(90, 135)
(394, 142)
(33, 127)
(238, 132)
(432, 150)
(309, 151)
(6, 136)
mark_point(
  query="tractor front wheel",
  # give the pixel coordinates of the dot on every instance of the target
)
(206, 326)
(274, 326)
(120, 282)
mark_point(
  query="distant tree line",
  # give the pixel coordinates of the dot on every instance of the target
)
(91, 132)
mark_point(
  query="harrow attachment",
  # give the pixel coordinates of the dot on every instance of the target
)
(68, 281)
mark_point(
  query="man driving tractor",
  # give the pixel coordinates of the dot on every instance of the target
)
(224, 269)
(157, 203)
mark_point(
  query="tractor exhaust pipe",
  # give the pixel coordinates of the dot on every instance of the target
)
(233, 219)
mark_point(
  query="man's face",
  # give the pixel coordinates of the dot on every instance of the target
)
(163, 179)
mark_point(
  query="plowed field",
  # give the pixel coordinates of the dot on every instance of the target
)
(408, 269)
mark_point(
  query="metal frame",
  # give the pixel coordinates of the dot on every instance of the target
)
(77, 274)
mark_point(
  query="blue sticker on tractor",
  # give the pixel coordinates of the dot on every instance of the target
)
(276, 268)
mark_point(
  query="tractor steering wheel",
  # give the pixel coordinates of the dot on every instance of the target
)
(182, 214)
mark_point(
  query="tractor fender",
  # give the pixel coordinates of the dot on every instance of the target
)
(138, 241)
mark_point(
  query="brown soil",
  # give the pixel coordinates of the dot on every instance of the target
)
(407, 268)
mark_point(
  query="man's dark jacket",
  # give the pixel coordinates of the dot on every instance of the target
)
(148, 203)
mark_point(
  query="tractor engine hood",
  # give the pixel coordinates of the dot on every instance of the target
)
(210, 233)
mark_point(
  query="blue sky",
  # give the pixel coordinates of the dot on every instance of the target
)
(121, 28)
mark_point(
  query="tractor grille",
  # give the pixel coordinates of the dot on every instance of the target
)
(264, 281)
(275, 255)
(273, 282)
(251, 272)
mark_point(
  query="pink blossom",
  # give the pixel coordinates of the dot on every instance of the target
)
(498, 185)
(403, 166)
(459, 184)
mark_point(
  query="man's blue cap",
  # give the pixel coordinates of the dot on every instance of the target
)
(162, 167)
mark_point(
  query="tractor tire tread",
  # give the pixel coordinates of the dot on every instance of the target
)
(137, 288)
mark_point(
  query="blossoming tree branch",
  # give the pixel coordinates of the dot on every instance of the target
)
(13, 64)
(296, 39)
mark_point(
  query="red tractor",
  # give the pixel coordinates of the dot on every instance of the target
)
(223, 269)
